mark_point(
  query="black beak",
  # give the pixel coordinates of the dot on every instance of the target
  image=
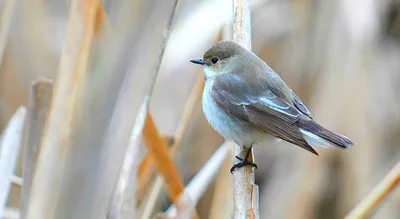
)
(198, 61)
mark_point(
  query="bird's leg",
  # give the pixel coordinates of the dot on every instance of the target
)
(243, 162)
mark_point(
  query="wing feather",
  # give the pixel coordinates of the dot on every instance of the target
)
(259, 106)
(300, 105)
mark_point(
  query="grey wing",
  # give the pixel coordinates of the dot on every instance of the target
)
(300, 105)
(260, 107)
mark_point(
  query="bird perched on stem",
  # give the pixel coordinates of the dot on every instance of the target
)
(244, 100)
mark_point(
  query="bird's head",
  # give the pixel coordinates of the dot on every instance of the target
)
(220, 58)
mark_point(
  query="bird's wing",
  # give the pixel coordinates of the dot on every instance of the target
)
(300, 105)
(259, 106)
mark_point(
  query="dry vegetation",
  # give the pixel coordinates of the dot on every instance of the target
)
(125, 136)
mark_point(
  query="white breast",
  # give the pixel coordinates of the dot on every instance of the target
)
(227, 126)
(213, 113)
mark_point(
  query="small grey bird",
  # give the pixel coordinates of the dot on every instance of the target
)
(244, 100)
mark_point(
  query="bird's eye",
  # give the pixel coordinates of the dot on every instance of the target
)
(214, 60)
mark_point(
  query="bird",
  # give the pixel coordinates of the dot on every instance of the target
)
(246, 101)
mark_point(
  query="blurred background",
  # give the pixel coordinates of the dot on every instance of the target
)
(342, 58)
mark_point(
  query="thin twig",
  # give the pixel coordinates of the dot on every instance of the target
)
(199, 184)
(149, 66)
(124, 197)
(39, 104)
(150, 32)
(163, 161)
(145, 170)
(124, 200)
(145, 174)
(243, 178)
(148, 207)
(368, 205)
(9, 151)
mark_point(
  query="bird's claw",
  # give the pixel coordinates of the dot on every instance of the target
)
(237, 157)
(242, 163)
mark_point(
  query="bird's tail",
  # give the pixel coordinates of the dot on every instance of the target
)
(316, 135)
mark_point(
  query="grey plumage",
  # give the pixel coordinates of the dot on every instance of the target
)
(244, 99)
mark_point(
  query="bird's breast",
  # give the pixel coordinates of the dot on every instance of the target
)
(214, 114)
(226, 125)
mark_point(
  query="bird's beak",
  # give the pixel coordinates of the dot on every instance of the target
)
(198, 61)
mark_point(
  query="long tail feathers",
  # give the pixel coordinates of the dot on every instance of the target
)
(316, 135)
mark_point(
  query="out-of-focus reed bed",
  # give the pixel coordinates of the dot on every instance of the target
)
(125, 136)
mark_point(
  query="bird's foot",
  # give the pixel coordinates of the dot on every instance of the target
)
(243, 162)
